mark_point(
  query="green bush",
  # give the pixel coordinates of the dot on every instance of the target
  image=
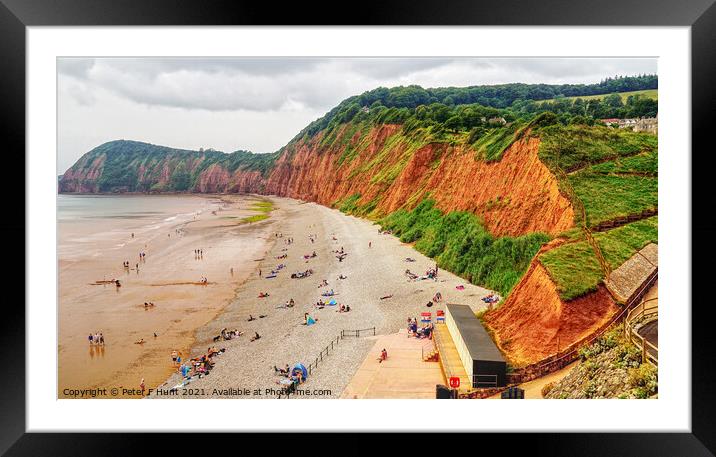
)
(460, 243)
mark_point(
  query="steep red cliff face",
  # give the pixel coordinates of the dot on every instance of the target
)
(535, 323)
(83, 176)
(389, 169)
(514, 196)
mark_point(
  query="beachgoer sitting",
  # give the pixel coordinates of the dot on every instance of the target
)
(342, 277)
(141, 341)
(251, 318)
(255, 337)
(383, 356)
(283, 371)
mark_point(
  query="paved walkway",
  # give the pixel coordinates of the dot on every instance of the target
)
(449, 357)
(403, 375)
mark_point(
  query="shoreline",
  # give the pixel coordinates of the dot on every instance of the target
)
(181, 307)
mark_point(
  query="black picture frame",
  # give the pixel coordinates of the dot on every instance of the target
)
(700, 15)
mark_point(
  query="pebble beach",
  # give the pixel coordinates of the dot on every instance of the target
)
(374, 267)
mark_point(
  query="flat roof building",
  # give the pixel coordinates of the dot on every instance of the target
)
(483, 362)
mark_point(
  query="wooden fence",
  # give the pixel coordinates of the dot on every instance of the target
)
(571, 353)
(647, 309)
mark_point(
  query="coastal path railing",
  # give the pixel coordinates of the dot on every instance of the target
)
(647, 309)
(330, 347)
(356, 333)
(571, 353)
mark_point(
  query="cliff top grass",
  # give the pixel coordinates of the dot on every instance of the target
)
(574, 267)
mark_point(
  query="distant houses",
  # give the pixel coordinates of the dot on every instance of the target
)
(643, 124)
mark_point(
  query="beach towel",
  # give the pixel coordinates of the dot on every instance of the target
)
(460, 287)
(332, 303)
(310, 321)
(270, 276)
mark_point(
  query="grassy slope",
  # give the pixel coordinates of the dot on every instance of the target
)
(460, 243)
(574, 267)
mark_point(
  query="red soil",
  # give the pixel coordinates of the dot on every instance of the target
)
(514, 196)
(534, 322)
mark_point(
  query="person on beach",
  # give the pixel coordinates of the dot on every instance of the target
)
(259, 272)
(91, 339)
(101, 339)
(255, 337)
(383, 356)
(370, 244)
(142, 386)
(141, 341)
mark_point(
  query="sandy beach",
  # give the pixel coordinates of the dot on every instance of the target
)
(91, 250)
(372, 272)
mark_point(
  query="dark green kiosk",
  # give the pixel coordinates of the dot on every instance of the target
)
(483, 362)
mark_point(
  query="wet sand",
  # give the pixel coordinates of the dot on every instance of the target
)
(168, 276)
(372, 272)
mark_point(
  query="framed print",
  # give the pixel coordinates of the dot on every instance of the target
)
(236, 224)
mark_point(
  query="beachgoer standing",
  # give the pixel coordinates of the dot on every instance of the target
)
(142, 386)
(90, 338)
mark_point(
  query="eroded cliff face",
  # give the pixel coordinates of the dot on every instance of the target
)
(514, 196)
(534, 323)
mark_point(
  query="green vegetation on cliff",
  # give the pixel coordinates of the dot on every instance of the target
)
(133, 166)
(460, 243)
(611, 173)
(611, 367)
(574, 266)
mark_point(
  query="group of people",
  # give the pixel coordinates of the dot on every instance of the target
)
(227, 334)
(96, 339)
(200, 366)
(198, 253)
(148, 305)
(425, 331)
(302, 274)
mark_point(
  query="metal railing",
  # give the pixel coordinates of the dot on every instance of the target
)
(330, 347)
(450, 371)
(647, 309)
(356, 333)
(488, 380)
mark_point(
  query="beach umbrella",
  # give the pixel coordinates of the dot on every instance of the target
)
(332, 302)
(299, 366)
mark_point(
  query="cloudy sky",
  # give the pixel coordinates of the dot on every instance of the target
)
(260, 104)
